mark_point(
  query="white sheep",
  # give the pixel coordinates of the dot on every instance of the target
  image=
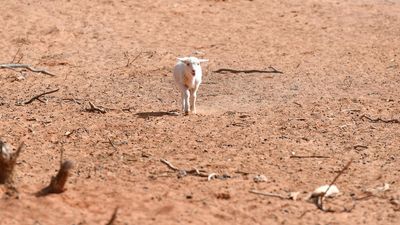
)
(187, 75)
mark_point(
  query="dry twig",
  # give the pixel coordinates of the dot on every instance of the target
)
(377, 120)
(309, 156)
(182, 172)
(94, 108)
(360, 147)
(298, 104)
(57, 183)
(24, 66)
(320, 198)
(38, 96)
(8, 158)
(77, 101)
(129, 61)
(269, 194)
(15, 56)
(172, 167)
(242, 172)
(112, 143)
(194, 172)
(113, 217)
(223, 70)
(61, 155)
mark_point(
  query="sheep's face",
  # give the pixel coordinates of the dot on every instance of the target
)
(192, 65)
(190, 68)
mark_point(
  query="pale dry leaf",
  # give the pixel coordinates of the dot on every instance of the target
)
(260, 178)
(384, 188)
(212, 176)
(332, 191)
(378, 190)
(294, 195)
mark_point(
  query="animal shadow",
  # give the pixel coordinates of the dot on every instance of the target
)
(145, 115)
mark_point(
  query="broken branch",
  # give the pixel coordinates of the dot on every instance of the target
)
(320, 198)
(377, 120)
(38, 96)
(113, 217)
(94, 108)
(112, 143)
(25, 66)
(172, 167)
(223, 70)
(15, 56)
(194, 172)
(57, 183)
(8, 158)
(269, 194)
(77, 101)
(360, 147)
(309, 156)
(338, 175)
(129, 62)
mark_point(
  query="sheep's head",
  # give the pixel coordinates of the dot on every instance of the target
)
(192, 65)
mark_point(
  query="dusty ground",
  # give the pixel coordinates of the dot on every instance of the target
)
(340, 61)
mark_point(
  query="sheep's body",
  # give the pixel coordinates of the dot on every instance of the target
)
(188, 76)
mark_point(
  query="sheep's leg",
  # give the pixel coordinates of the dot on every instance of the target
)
(193, 97)
(183, 101)
(186, 95)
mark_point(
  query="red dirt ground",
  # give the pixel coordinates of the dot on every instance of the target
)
(340, 61)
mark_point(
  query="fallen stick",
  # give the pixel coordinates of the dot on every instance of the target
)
(308, 156)
(338, 175)
(25, 66)
(77, 101)
(377, 120)
(15, 56)
(38, 96)
(185, 172)
(242, 172)
(273, 70)
(8, 158)
(269, 194)
(194, 172)
(128, 59)
(298, 104)
(94, 108)
(112, 143)
(57, 183)
(172, 167)
(360, 146)
(320, 198)
(113, 217)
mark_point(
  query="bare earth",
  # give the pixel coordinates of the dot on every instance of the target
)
(340, 60)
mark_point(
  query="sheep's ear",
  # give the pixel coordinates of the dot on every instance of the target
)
(203, 60)
(185, 59)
